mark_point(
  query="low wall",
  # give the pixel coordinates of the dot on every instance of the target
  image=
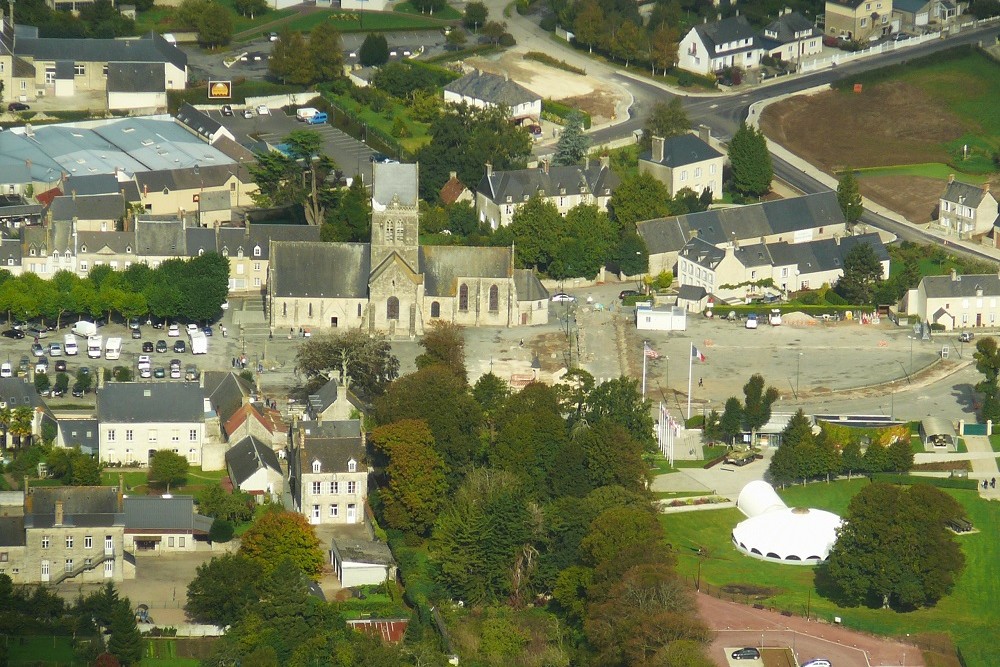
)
(186, 629)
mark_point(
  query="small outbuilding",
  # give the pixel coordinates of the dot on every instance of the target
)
(938, 435)
(665, 318)
(362, 562)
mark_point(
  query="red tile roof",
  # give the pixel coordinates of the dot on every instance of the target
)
(452, 190)
(45, 198)
(390, 630)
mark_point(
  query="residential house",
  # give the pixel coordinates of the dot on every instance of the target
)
(91, 213)
(735, 272)
(115, 249)
(11, 255)
(78, 432)
(161, 524)
(791, 37)
(454, 191)
(259, 421)
(501, 193)
(16, 211)
(955, 301)
(32, 66)
(176, 191)
(858, 20)
(61, 533)
(685, 161)
(201, 124)
(328, 473)
(101, 184)
(482, 90)
(214, 208)
(138, 419)
(159, 238)
(333, 402)
(916, 16)
(249, 251)
(362, 561)
(711, 47)
(16, 393)
(792, 220)
(967, 210)
(254, 468)
(226, 393)
(394, 284)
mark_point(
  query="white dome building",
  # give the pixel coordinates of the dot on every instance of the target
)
(777, 533)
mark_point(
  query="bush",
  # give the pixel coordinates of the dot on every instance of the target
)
(558, 112)
(940, 482)
(685, 79)
(548, 23)
(835, 299)
(221, 531)
(507, 39)
(935, 326)
(697, 421)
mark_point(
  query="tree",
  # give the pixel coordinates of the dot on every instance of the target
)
(849, 196)
(494, 30)
(625, 42)
(277, 534)
(757, 403)
(894, 548)
(572, 145)
(443, 343)
(224, 589)
(639, 197)
(475, 15)
(374, 50)
(862, 275)
(617, 530)
(663, 48)
(215, 26)
(166, 467)
(792, 458)
(293, 60)
(126, 642)
(287, 610)
(666, 119)
(214, 501)
(613, 457)
(250, 8)
(363, 363)
(750, 161)
(221, 531)
(589, 24)
(86, 471)
(42, 383)
(416, 485)
(326, 52)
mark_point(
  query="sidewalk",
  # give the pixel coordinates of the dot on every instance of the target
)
(984, 464)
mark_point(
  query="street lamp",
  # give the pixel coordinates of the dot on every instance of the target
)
(798, 361)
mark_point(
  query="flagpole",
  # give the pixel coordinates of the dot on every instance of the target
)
(644, 356)
(690, 360)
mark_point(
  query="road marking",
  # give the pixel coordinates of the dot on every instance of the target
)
(713, 106)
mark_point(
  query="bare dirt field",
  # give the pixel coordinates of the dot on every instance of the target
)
(583, 92)
(913, 197)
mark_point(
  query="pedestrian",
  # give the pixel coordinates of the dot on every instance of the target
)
(234, 362)
(521, 344)
(993, 483)
(701, 382)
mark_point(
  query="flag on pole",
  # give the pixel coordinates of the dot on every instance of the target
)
(650, 352)
(696, 354)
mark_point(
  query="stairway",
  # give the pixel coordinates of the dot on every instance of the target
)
(81, 569)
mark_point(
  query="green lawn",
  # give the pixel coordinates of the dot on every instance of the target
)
(449, 13)
(40, 650)
(137, 482)
(163, 19)
(366, 21)
(995, 442)
(928, 169)
(970, 614)
(385, 119)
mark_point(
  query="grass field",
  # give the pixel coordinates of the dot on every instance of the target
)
(970, 614)
(137, 482)
(995, 442)
(928, 170)
(163, 19)
(366, 21)
(32, 650)
(385, 119)
(449, 13)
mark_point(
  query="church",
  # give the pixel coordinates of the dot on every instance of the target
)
(394, 285)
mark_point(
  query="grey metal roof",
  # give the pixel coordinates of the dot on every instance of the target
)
(160, 238)
(65, 70)
(336, 428)
(491, 88)
(520, 184)
(663, 234)
(964, 193)
(684, 149)
(88, 207)
(136, 78)
(17, 393)
(198, 122)
(941, 287)
(691, 293)
(82, 432)
(247, 457)
(726, 31)
(332, 453)
(528, 286)
(329, 270)
(12, 531)
(262, 234)
(155, 513)
(395, 181)
(97, 184)
(444, 266)
(937, 426)
(150, 402)
(148, 48)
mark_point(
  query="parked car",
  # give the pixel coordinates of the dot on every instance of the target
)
(966, 336)
(262, 110)
(180, 347)
(17, 106)
(147, 347)
(748, 653)
(37, 350)
(818, 662)
(562, 297)
(144, 361)
(61, 366)
(37, 331)
(227, 110)
(15, 334)
(751, 321)
(174, 331)
(159, 372)
(626, 293)
(136, 334)
(161, 346)
(247, 113)
(145, 372)
(272, 37)
(207, 330)
(24, 364)
(6, 370)
(55, 349)
(78, 391)
(191, 373)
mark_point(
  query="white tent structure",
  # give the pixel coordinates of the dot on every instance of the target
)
(777, 533)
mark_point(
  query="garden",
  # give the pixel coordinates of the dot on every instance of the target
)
(702, 542)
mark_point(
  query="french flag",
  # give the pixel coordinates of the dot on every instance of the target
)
(696, 354)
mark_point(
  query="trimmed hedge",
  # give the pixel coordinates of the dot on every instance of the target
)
(721, 310)
(940, 482)
(546, 59)
(558, 112)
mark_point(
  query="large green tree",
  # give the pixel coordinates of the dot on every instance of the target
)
(894, 548)
(849, 196)
(750, 161)
(862, 275)
(374, 50)
(415, 485)
(126, 641)
(757, 402)
(666, 119)
(639, 197)
(573, 143)
(166, 468)
(619, 401)
(224, 589)
(792, 458)
(215, 26)
(326, 52)
(276, 535)
(443, 343)
(731, 422)
(475, 15)
(355, 358)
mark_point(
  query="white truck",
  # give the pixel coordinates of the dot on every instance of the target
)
(95, 345)
(199, 342)
(306, 113)
(113, 350)
(84, 329)
(70, 346)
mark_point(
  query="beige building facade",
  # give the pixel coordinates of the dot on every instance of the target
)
(858, 20)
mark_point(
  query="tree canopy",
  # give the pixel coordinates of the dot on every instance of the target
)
(573, 143)
(849, 196)
(166, 467)
(750, 161)
(275, 535)
(353, 358)
(666, 119)
(862, 275)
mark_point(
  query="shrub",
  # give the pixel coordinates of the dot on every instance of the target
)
(935, 326)
(548, 23)
(399, 129)
(940, 482)
(684, 79)
(697, 421)
(221, 531)
(835, 299)
(507, 39)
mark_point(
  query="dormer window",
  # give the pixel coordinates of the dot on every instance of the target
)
(256, 251)
(509, 199)
(55, 255)
(128, 248)
(201, 251)
(239, 252)
(352, 466)
(225, 251)
(316, 466)
(166, 191)
(83, 248)
(32, 252)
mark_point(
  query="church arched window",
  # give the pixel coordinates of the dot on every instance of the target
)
(392, 308)
(494, 298)
(463, 297)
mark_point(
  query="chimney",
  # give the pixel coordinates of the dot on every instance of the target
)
(121, 492)
(657, 149)
(954, 275)
(705, 134)
(59, 513)
(951, 178)
(489, 169)
(605, 161)
(452, 175)
(545, 164)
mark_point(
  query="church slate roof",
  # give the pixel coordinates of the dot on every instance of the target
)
(443, 266)
(394, 180)
(329, 270)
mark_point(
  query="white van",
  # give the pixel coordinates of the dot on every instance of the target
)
(84, 329)
(113, 350)
(95, 345)
(70, 346)
(306, 113)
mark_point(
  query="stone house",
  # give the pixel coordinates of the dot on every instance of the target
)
(685, 161)
(254, 468)
(967, 210)
(160, 525)
(328, 472)
(955, 301)
(858, 20)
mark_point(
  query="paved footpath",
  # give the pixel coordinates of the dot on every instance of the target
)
(984, 466)
(742, 625)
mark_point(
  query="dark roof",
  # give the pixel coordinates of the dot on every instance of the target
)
(82, 506)
(22, 68)
(155, 513)
(964, 193)
(444, 266)
(82, 432)
(199, 238)
(65, 69)
(261, 235)
(17, 393)
(528, 286)
(368, 551)
(287, 214)
(726, 31)
(88, 207)
(566, 179)
(150, 402)
(214, 200)
(326, 396)
(940, 287)
(338, 428)
(93, 184)
(10, 252)
(195, 178)
(332, 453)
(814, 256)
(136, 78)
(684, 149)
(702, 253)
(227, 393)
(691, 293)
(663, 234)
(247, 457)
(491, 88)
(198, 122)
(452, 190)
(784, 28)
(119, 243)
(148, 48)
(159, 238)
(12, 531)
(853, 4)
(320, 269)
(395, 182)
